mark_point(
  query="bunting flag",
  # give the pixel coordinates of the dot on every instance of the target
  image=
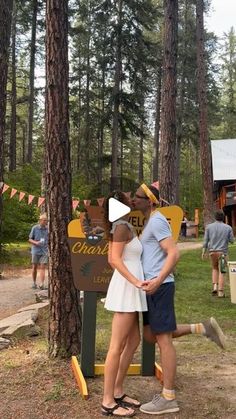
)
(128, 194)
(87, 202)
(75, 203)
(21, 196)
(30, 199)
(5, 188)
(13, 192)
(40, 201)
(100, 201)
(156, 185)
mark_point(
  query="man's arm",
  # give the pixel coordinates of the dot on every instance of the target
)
(31, 238)
(172, 252)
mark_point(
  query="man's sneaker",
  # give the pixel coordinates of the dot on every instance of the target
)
(159, 405)
(214, 332)
(34, 286)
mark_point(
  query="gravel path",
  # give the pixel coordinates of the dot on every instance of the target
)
(16, 291)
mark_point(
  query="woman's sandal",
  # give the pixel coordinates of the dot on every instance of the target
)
(221, 294)
(122, 402)
(109, 411)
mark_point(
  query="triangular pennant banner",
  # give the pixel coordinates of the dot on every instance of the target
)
(75, 203)
(156, 185)
(100, 201)
(87, 202)
(40, 200)
(128, 194)
(30, 199)
(13, 192)
(21, 196)
(5, 187)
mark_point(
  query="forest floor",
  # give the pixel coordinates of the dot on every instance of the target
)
(36, 387)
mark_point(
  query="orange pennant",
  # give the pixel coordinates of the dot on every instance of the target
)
(75, 203)
(21, 196)
(156, 185)
(40, 200)
(87, 202)
(128, 194)
(5, 188)
(100, 201)
(13, 192)
(30, 199)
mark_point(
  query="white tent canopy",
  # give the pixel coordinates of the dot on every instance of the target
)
(223, 159)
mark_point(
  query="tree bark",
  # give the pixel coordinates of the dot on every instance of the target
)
(31, 82)
(12, 146)
(168, 107)
(65, 314)
(5, 34)
(205, 152)
(155, 169)
(116, 101)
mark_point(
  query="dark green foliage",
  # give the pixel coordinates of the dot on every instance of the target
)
(19, 216)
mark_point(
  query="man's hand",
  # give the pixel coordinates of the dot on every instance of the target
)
(150, 286)
(203, 254)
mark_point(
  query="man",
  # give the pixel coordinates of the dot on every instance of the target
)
(39, 240)
(217, 238)
(159, 257)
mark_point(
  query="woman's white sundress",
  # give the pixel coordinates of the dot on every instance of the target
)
(122, 296)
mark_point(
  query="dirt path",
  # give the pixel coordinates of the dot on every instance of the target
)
(15, 291)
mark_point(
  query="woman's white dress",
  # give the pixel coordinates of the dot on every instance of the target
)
(122, 296)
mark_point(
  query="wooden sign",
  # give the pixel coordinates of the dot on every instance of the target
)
(89, 248)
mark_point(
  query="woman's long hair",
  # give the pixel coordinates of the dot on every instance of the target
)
(121, 197)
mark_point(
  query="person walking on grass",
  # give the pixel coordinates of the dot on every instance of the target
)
(159, 257)
(38, 238)
(217, 237)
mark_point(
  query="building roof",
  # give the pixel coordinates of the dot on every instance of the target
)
(223, 159)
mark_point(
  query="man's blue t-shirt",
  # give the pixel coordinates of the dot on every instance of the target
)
(153, 256)
(39, 233)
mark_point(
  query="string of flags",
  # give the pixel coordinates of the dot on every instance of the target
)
(39, 200)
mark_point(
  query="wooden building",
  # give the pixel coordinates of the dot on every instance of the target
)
(224, 176)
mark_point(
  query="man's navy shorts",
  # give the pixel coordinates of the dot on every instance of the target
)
(161, 312)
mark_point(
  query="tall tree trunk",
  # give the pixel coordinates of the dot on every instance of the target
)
(116, 98)
(5, 34)
(205, 152)
(140, 164)
(101, 136)
(168, 112)
(23, 127)
(180, 110)
(65, 316)
(87, 112)
(31, 82)
(12, 146)
(79, 121)
(155, 167)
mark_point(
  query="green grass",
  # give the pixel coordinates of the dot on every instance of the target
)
(193, 300)
(16, 254)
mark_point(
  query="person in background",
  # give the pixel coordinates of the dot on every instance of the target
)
(38, 238)
(217, 237)
(159, 257)
(183, 230)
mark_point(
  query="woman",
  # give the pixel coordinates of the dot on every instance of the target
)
(126, 298)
